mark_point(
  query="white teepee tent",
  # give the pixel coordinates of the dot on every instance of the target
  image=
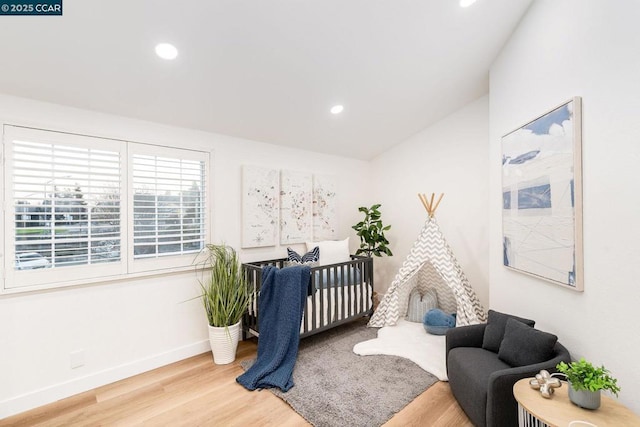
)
(430, 264)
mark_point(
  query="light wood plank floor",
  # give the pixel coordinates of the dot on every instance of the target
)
(196, 392)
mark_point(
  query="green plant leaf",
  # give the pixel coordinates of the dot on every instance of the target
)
(371, 232)
(584, 376)
(225, 288)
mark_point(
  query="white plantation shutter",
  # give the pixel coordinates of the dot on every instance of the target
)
(82, 209)
(64, 193)
(167, 206)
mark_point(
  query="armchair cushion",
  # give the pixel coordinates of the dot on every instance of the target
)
(496, 325)
(522, 345)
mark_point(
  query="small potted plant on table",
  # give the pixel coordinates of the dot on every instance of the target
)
(586, 382)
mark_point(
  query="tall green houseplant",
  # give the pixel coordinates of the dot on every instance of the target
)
(371, 233)
(225, 289)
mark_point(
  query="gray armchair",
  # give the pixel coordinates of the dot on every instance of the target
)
(482, 383)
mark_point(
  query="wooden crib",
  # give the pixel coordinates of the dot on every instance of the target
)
(340, 293)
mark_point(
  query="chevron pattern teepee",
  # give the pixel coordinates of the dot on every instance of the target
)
(430, 263)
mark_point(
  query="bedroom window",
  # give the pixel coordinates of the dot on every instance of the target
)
(168, 200)
(83, 209)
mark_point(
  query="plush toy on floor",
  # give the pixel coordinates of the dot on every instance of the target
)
(437, 322)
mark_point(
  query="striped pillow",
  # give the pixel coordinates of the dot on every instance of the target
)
(310, 258)
(420, 304)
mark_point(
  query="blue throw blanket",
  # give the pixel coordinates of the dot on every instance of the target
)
(282, 298)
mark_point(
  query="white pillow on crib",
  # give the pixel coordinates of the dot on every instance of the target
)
(332, 251)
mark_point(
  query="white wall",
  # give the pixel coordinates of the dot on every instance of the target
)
(132, 326)
(449, 157)
(566, 48)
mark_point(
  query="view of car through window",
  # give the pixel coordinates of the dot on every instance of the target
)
(30, 261)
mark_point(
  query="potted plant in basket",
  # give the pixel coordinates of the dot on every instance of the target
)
(371, 233)
(586, 382)
(225, 296)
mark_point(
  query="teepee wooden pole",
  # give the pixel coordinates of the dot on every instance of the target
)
(433, 209)
(430, 204)
(423, 199)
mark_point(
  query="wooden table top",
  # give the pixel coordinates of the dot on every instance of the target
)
(559, 411)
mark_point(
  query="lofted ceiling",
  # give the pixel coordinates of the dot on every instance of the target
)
(266, 70)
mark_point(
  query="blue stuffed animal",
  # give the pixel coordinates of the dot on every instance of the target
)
(437, 322)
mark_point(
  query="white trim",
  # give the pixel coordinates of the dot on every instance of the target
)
(97, 280)
(65, 389)
(3, 208)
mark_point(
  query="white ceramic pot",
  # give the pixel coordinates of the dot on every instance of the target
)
(224, 343)
(585, 398)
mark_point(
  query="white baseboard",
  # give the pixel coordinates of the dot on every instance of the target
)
(43, 396)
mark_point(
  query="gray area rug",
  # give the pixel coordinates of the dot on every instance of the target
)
(336, 387)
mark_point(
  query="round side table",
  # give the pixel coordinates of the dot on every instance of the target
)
(535, 410)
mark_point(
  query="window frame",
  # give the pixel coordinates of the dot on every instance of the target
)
(138, 265)
(126, 267)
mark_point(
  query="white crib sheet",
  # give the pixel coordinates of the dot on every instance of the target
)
(325, 314)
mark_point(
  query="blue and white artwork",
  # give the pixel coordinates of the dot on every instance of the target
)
(541, 201)
(535, 197)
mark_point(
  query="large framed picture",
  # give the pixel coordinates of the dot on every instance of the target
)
(542, 197)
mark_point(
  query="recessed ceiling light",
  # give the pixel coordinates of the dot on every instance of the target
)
(337, 109)
(166, 51)
(466, 3)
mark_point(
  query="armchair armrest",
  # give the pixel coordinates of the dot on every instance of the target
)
(465, 336)
(500, 391)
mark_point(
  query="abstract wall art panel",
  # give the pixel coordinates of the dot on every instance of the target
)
(325, 208)
(296, 207)
(260, 206)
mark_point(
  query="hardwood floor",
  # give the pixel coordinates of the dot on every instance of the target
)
(196, 392)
